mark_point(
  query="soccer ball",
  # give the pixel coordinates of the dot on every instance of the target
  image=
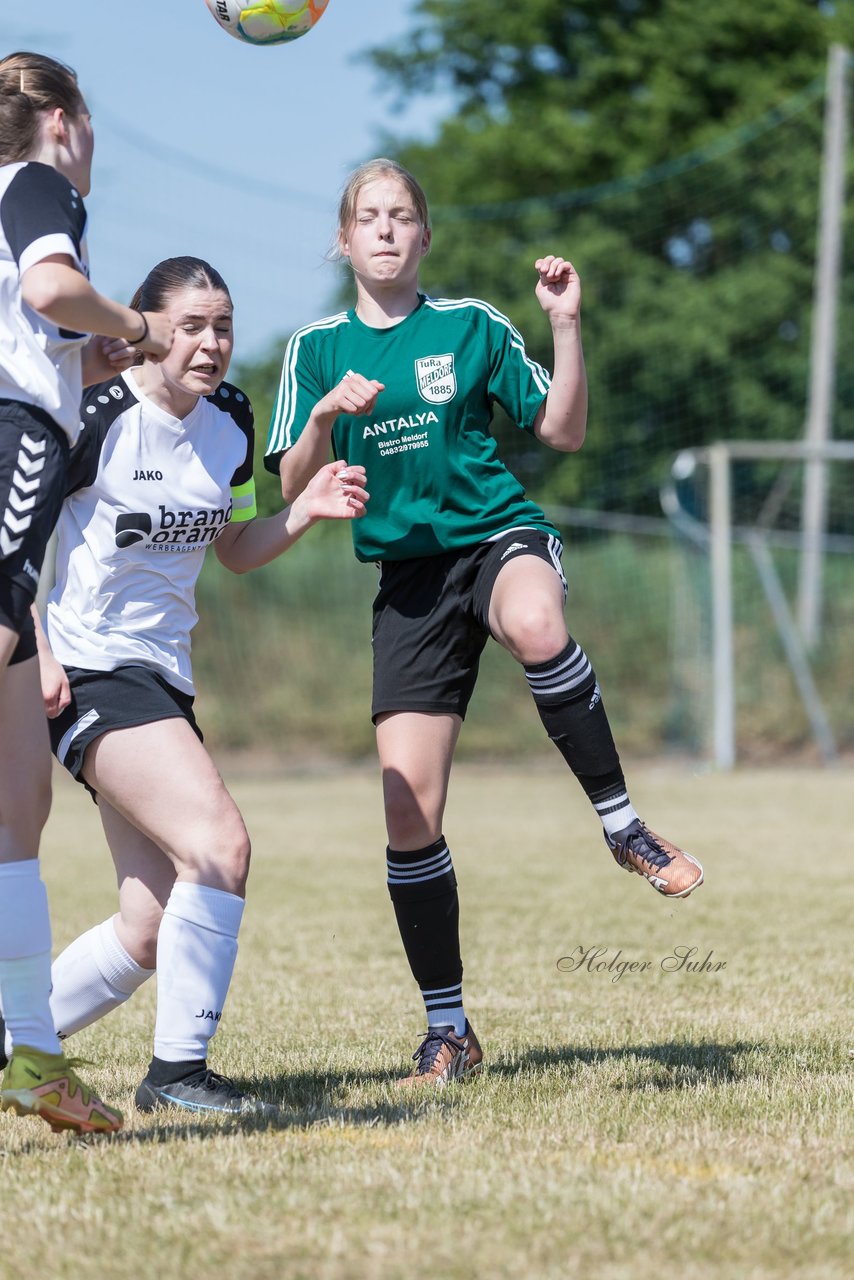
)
(267, 21)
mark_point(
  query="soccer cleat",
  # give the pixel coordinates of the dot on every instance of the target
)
(667, 868)
(443, 1057)
(46, 1085)
(204, 1090)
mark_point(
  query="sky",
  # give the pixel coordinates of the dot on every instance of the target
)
(232, 153)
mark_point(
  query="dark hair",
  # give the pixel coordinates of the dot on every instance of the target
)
(172, 274)
(30, 84)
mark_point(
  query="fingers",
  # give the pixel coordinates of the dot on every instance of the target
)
(344, 472)
(357, 502)
(345, 483)
(111, 347)
(358, 395)
(554, 270)
(56, 700)
(118, 353)
(353, 491)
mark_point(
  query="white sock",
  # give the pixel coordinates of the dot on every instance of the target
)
(455, 1018)
(92, 976)
(444, 1007)
(196, 951)
(25, 957)
(616, 813)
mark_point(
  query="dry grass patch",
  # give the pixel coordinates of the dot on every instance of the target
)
(664, 1123)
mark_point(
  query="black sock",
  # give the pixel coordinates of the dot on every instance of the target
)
(570, 706)
(423, 890)
(161, 1072)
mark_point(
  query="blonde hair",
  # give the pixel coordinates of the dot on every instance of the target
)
(371, 171)
(30, 84)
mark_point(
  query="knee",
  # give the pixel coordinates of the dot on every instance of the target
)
(537, 635)
(411, 820)
(239, 857)
(219, 857)
(234, 851)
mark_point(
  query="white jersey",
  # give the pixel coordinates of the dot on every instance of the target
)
(147, 495)
(40, 214)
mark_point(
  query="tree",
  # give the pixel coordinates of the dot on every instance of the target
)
(639, 137)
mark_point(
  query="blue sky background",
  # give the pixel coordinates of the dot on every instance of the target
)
(233, 153)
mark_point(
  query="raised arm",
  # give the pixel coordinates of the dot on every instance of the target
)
(562, 421)
(58, 291)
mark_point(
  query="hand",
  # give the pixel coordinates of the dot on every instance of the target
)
(103, 358)
(158, 341)
(558, 288)
(56, 691)
(353, 394)
(336, 492)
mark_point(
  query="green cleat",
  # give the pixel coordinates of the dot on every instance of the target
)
(46, 1085)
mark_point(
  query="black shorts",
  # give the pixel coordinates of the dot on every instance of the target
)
(431, 622)
(105, 700)
(33, 469)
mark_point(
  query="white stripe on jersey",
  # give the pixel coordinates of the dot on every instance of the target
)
(43, 248)
(286, 397)
(541, 376)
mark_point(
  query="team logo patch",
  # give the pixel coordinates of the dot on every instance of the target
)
(132, 527)
(437, 381)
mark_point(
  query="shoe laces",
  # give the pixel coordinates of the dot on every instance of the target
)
(644, 844)
(430, 1048)
(212, 1081)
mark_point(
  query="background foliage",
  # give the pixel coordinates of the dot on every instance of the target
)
(673, 151)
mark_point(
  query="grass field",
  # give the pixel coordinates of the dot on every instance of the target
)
(660, 1123)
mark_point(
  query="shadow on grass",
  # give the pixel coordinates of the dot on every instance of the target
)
(176, 1126)
(304, 1100)
(669, 1065)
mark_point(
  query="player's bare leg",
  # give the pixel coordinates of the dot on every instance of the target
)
(8, 645)
(106, 965)
(159, 778)
(38, 1079)
(416, 750)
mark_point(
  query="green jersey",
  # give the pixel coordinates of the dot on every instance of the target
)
(435, 478)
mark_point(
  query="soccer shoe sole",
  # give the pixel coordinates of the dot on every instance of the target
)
(26, 1103)
(148, 1098)
(467, 1073)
